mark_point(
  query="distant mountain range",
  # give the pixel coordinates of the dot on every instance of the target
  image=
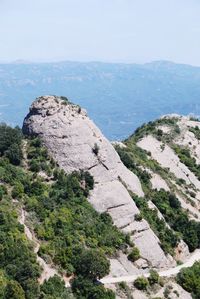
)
(118, 97)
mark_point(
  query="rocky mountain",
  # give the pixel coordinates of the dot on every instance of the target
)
(83, 218)
(77, 144)
(118, 97)
(153, 196)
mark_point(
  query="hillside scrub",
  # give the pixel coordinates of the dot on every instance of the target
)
(64, 221)
(10, 143)
(189, 279)
(185, 157)
(17, 259)
(167, 237)
(137, 160)
(177, 219)
(196, 132)
(151, 128)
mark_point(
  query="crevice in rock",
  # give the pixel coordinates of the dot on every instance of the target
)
(126, 225)
(104, 165)
(99, 159)
(92, 166)
(140, 231)
(115, 207)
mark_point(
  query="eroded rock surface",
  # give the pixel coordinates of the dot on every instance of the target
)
(74, 141)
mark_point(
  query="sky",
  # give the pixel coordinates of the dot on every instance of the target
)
(130, 31)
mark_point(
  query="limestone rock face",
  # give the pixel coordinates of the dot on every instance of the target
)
(74, 141)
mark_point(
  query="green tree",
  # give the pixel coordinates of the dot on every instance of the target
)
(189, 279)
(8, 137)
(55, 287)
(18, 190)
(92, 264)
(141, 283)
(14, 291)
(85, 288)
(154, 277)
(134, 255)
(14, 154)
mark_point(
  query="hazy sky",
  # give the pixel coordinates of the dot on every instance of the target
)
(103, 30)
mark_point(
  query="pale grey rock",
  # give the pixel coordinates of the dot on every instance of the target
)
(71, 137)
(145, 241)
(182, 252)
(179, 291)
(121, 266)
(141, 263)
(118, 143)
(139, 295)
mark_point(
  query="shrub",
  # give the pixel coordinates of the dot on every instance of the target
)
(85, 288)
(189, 279)
(122, 285)
(14, 291)
(138, 217)
(18, 190)
(3, 191)
(14, 154)
(95, 149)
(34, 165)
(154, 277)
(8, 137)
(134, 255)
(55, 287)
(141, 283)
(92, 264)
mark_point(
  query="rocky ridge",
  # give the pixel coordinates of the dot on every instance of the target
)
(75, 143)
(163, 152)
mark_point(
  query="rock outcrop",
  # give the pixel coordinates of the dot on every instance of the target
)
(75, 143)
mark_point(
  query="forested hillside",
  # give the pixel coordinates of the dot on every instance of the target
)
(73, 238)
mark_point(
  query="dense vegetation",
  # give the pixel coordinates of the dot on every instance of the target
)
(10, 143)
(152, 128)
(189, 279)
(134, 157)
(181, 227)
(72, 234)
(177, 219)
(66, 221)
(196, 132)
(185, 157)
(19, 270)
(17, 261)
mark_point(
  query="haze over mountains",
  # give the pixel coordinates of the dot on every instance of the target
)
(118, 97)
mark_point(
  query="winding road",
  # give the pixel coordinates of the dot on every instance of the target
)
(195, 256)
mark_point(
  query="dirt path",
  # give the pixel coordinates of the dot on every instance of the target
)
(48, 270)
(167, 273)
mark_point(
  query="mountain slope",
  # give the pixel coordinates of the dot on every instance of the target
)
(75, 209)
(76, 144)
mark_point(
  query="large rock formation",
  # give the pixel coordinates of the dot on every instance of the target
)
(76, 143)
